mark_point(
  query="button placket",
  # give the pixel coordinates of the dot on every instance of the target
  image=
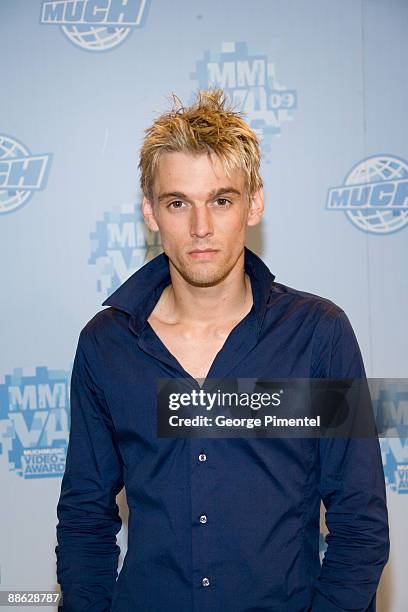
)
(202, 483)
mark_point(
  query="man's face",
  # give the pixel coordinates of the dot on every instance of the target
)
(196, 206)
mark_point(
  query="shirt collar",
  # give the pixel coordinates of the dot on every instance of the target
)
(138, 295)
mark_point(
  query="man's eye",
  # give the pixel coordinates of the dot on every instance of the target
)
(177, 202)
(222, 201)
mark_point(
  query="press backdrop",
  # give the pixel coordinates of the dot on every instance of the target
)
(323, 82)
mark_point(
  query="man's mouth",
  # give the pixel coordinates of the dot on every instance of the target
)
(203, 253)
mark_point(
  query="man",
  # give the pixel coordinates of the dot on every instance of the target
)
(228, 524)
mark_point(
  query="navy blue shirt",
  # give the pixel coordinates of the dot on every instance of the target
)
(258, 548)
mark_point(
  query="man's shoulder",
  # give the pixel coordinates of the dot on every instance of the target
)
(305, 301)
(335, 350)
(104, 322)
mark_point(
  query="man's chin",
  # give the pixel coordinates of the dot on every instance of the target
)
(204, 278)
(201, 281)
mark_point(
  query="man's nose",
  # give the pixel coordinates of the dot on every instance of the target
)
(201, 223)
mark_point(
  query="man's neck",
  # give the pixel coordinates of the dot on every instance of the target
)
(205, 307)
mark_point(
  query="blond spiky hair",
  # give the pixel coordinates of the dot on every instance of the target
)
(209, 125)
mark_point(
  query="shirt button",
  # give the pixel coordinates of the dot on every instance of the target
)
(202, 457)
(203, 518)
(205, 582)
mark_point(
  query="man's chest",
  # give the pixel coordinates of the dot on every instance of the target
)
(131, 365)
(194, 351)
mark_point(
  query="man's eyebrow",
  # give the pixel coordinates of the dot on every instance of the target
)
(212, 194)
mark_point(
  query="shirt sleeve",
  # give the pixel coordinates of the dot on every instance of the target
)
(88, 516)
(352, 488)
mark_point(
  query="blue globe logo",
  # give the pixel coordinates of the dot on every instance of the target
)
(96, 37)
(95, 25)
(11, 199)
(378, 169)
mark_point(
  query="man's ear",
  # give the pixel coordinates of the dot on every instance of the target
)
(148, 214)
(256, 207)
